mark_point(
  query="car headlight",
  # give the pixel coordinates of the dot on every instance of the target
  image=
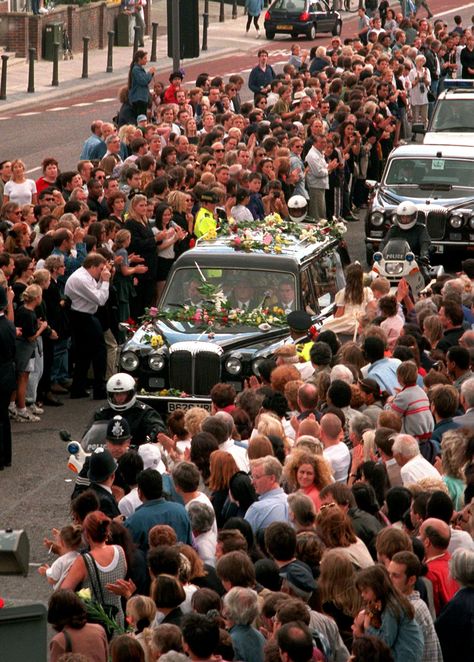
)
(156, 361)
(233, 365)
(256, 366)
(471, 221)
(456, 221)
(394, 268)
(377, 219)
(129, 361)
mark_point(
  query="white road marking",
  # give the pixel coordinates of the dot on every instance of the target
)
(33, 170)
(108, 100)
(32, 112)
(56, 110)
(81, 105)
(5, 118)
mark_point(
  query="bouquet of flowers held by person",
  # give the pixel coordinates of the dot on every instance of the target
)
(96, 613)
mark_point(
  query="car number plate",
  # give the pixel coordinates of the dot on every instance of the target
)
(284, 27)
(175, 405)
(439, 249)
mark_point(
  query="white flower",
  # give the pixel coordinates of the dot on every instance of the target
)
(84, 594)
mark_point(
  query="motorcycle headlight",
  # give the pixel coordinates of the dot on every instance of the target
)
(377, 219)
(233, 365)
(471, 221)
(394, 268)
(129, 361)
(456, 221)
(156, 361)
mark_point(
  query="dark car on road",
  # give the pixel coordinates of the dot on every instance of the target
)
(187, 346)
(297, 17)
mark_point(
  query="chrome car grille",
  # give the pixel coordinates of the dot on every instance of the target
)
(434, 218)
(195, 367)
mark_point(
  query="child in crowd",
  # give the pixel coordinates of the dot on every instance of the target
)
(68, 545)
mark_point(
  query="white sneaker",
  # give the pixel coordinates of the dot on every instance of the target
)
(35, 409)
(25, 416)
(258, 34)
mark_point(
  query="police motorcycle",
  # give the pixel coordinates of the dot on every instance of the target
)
(143, 420)
(405, 253)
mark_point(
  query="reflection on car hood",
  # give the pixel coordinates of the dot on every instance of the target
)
(453, 199)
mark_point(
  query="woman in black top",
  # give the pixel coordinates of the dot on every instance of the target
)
(144, 243)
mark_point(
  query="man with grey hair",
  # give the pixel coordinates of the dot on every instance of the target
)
(413, 466)
(112, 156)
(241, 610)
(239, 453)
(272, 504)
(467, 401)
(202, 518)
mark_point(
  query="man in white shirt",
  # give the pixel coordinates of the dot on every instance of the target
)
(317, 177)
(335, 450)
(221, 426)
(413, 466)
(88, 288)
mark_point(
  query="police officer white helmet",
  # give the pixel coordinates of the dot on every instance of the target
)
(121, 393)
(406, 215)
(297, 208)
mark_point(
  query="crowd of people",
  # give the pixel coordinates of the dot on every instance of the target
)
(324, 512)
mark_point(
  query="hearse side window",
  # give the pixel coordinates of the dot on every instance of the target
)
(309, 299)
(323, 276)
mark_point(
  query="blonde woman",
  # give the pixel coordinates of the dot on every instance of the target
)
(451, 466)
(339, 597)
(433, 329)
(31, 330)
(182, 204)
(20, 189)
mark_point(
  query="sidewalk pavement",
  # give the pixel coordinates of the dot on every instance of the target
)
(223, 38)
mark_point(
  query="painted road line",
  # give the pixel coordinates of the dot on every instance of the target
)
(32, 112)
(57, 109)
(32, 170)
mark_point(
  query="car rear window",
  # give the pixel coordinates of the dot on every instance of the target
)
(297, 5)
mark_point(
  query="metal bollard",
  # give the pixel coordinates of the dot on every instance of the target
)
(205, 25)
(154, 37)
(137, 38)
(85, 57)
(31, 70)
(221, 12)
(110, 52)
(3, 83)
(55, 81)
(234, 9)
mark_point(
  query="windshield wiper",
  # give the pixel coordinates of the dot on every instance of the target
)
(435, 185)
(175, 305)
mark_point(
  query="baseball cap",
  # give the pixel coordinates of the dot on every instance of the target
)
(151, 456)
(299, 576)
(118, 430)
(142, 118)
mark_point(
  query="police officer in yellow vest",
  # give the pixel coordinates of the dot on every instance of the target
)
(300, 322)
(205, 218)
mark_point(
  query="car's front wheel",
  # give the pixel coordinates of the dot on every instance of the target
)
(311, 34)
(269, 34)
(337, 29)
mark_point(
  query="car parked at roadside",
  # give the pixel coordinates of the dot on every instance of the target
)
(295, 17)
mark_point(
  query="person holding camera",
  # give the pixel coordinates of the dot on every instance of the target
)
(420, 79)
(274, 201)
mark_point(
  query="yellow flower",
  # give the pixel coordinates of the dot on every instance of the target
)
(156, 341)
(84, 594)
(277, 249)
(258, 320)
(164, 392)
(211, 234)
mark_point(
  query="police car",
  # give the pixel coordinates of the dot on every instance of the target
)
(195, 339)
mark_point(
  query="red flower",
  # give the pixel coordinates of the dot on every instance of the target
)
(192, 243)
